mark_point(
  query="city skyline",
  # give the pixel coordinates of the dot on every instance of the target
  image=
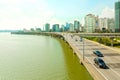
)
(30, 13)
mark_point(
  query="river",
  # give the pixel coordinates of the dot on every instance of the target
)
(35, 57)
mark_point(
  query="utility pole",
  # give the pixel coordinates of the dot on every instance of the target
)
(83, 48)
(82, 40)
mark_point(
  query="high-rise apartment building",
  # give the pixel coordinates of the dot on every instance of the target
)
(90, 23)
(111, 24)
(106, 24)
(117, 16)
(71, 29)
(103, 23)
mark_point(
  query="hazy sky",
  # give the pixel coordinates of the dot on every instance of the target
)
(19, 14)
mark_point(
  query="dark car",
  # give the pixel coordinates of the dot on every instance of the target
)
(76, 39)
(98, 53)
(100, 63)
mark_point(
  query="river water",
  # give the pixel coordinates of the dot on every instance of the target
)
(35, 57)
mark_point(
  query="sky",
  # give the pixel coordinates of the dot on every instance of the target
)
(19, 14)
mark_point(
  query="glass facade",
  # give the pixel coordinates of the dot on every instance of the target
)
(47, 27)
(76, 25)
(55, 28)
(117, 16)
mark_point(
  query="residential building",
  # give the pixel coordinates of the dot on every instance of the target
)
(103, 23)
(111, 25)
(71, 28)
(97, 23)
(90, 23)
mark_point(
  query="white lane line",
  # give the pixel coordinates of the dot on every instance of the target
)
(115, 72)
(97, 69)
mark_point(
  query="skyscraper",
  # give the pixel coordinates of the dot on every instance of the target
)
(90, 23)
(63, 28)
(76, 25)
(67, 26)
(55, 28)
(71, 27)
(47, 27)
(117, 16)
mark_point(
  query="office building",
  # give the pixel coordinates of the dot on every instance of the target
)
(55, 28)
(47, 27)
(62, 28)
(117, 16)
(67, 26)
(76, 25)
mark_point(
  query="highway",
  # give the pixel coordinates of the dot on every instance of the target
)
(111, 57)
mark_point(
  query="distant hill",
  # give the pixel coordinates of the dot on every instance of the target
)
(9, 30)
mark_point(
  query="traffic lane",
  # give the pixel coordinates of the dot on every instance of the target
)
(112, 72)
(117, 70)
(111, 75)
(115, 62)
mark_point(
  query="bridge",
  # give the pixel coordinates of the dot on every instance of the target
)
(98, 34)
(83, 50)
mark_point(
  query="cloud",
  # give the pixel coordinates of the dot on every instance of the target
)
(107, 12)
(17, 1)
(19, 14)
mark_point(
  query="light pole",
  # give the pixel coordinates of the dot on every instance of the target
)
(83, 48)
(82, 40)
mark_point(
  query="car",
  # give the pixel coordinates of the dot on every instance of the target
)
(76, 39)
(98, 53)
(81, 39)
(100, 63)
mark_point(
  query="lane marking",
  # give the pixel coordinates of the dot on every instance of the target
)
(115, 72)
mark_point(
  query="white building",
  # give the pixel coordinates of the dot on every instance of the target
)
(90, 23)
(107, 23)
(71, 27)
(103, 23)
(111, 24)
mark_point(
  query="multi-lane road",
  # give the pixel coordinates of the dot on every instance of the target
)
(111, 57)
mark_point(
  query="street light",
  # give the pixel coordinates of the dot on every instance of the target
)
(82, 40)
(83, 48)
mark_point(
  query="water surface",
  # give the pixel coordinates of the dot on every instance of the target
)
(35, 57)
